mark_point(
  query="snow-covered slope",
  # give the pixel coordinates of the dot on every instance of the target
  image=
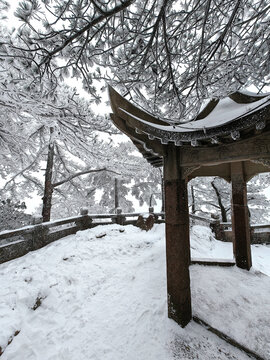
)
(101, 295)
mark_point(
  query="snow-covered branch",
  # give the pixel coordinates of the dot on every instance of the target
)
(85, 172)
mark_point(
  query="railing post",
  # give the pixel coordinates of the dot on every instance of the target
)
(85, 222)
(38, 234)
(120, 219)
(151, 212)
(252, 236)
(37, 219)
(217, 229)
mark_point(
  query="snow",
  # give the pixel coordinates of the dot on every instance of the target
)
(225, 112)
(251, 93)
(105, 299)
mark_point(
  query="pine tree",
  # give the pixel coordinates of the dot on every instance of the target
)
(167, 55)
(12, 215)
(213, 196)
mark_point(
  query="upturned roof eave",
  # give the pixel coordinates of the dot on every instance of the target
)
(149, 134)
(255, 119)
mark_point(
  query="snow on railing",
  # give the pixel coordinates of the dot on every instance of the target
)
(18, 242)
(259, 233)
(33, 237)
(228, 226)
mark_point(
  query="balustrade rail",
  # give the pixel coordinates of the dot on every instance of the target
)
(259, 233)
(16, 243)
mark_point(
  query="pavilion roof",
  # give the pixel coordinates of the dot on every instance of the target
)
(241, 115)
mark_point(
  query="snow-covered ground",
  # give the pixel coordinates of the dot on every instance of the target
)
(101, 295)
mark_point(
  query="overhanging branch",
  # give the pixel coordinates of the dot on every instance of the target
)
(86, 28)
(82, 173)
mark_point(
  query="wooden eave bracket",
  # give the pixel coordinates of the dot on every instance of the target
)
(147, 147)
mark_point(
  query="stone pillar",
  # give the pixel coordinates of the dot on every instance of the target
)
(120, 219)
(240, 217)
(177, 239)
(85, 222)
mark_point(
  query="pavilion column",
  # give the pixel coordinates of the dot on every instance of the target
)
(177, 238)
(240, 217)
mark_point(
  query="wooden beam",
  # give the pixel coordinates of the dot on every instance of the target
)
(228, 339)
(177, 239)
(240, 217)
(252, 168)
(212, 262)
(221, 170)
(257, 147)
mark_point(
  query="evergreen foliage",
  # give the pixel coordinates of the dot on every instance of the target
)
(12, 215)
(213, 196)
(168, 55)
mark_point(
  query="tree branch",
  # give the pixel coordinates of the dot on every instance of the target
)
(82, 173)
(97, 20)
(149, 45)
(28, 167)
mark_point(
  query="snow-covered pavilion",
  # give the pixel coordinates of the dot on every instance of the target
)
(229, 138)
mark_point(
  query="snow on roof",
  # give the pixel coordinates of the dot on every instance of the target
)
(252, 94)
(226, 111)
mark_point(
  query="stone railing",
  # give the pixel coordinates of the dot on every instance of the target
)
(260, 233)
(200, 220)
(16, 243)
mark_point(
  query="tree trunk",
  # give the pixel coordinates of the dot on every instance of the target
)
(193, 210)
(116, 194)
(221, 206)
(48, 188)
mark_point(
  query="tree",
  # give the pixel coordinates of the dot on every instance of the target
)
(150, 188)
(12, 214)
(33, 120)
(213, 195)
(60, 130)
(76, 31)
(221, 206)
(135, 178)
(183, 55)
(167, 55)
(58, 127)
(258, 202)
(52, 174)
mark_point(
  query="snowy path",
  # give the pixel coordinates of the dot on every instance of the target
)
(105, 299)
